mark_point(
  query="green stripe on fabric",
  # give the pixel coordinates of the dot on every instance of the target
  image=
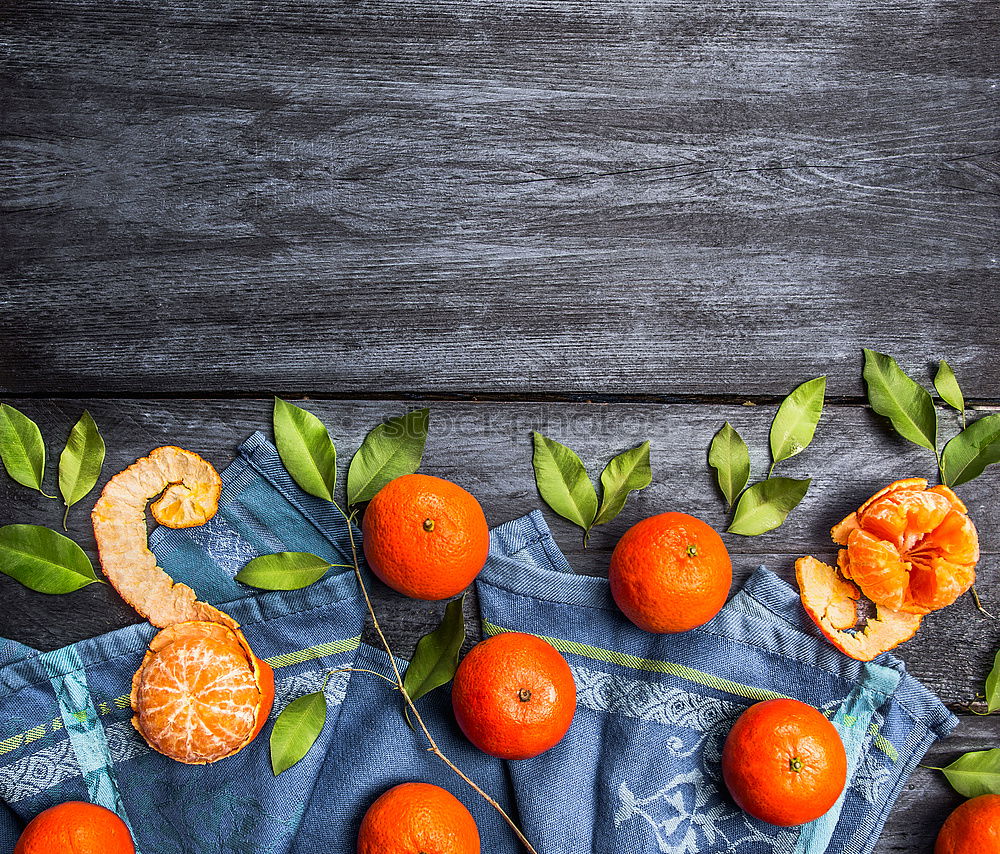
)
(332, 648)
(125, 701)
(652, 665)
(689, 674)
(883, 744)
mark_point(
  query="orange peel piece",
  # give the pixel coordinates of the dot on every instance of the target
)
(831, 602)
(200, 694)
(910, 548)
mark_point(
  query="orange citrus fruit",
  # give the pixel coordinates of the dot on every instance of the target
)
(910, 548)
(670, 573)
(418, 818)
(514, 696)
(425, 537)
(201, 694)
(784, 763)
(75, 827)
(973, 828)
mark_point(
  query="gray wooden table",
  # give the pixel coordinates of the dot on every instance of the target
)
(609, 221)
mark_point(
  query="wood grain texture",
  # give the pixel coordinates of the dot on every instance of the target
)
(487, 448)
(562, 197)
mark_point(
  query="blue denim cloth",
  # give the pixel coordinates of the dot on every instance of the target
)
(638, 770)
(640, 767)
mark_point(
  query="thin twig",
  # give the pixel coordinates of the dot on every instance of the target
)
(366, 670)
(406, 696)
(979, 605)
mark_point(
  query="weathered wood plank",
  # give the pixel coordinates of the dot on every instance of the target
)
(486, 447)
(928, 799)
(569, 197)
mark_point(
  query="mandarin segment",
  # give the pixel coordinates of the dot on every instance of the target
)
(914, 549)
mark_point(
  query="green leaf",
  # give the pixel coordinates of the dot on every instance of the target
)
(283, 571)
(947, 386)
(436, 657)
(794, 424)
(765, 505)
(993, 686)
(975, 773)
(305, 448)
(296, 729)
(968, 453)
(21, 447)
(81, 461)
(729, 456)
(390, 450)
(563, 482)
(625, 473)
(905, 403)
(43, 559)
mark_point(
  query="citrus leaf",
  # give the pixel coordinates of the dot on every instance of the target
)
(729, 456)
(905, 403)
(947, 386)
(975, 773)
(563, 482)
(993, 686)
(283, 571)
(390, 450)
(21, 447)
(794, 423)
(81, 460)
(765, 505)
(43, 559)
(628, 472)
(968, 453)
(296, 729)
(305, 448)
(436, 657)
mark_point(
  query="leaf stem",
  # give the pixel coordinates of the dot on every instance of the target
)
(406, 697)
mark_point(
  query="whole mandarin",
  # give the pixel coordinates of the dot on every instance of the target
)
(670, 573)
(425, 537)
(514, 696)
(75, 827)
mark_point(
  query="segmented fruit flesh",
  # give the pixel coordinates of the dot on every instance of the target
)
(200, 693)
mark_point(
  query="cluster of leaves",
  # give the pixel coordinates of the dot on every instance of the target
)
(38, 557)
(978, 772)
(765, 505)
(912, 413)
(564, 484)
(391, 450)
